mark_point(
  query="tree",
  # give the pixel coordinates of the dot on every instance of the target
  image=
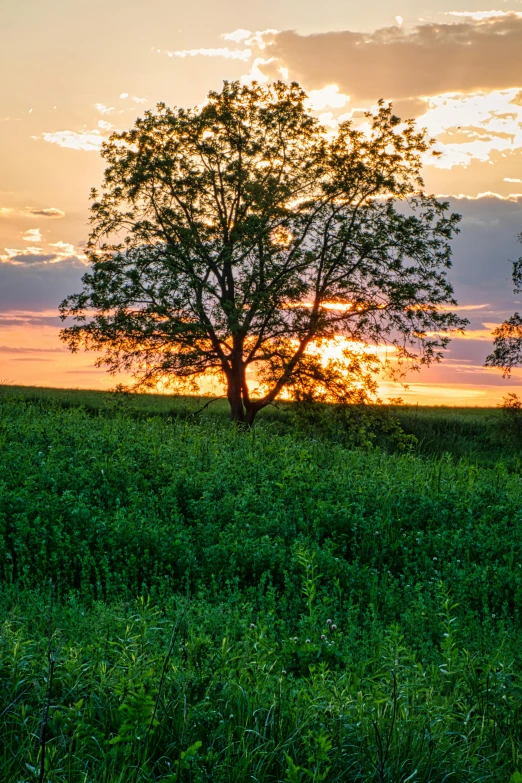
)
(507, 351)
(239, 235)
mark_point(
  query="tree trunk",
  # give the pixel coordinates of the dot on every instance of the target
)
(237, 411)
(250, 415)
(235, 384)
(242, 409)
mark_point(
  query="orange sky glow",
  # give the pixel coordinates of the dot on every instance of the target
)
(61, 103)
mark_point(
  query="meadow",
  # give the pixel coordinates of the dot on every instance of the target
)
(182, 601)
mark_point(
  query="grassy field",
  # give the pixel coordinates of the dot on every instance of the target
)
(480, 435)
(181, 601)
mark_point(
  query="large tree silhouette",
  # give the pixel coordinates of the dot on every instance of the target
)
(236, 236)
(507, 351)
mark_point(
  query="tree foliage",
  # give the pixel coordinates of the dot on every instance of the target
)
(237, 237)
(507, 352)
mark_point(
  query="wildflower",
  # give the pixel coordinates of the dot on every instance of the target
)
(252, 625)
(334, 627)
(308, 641)
(295, 638)
(283, 671)
(323, 637)
(328, 622)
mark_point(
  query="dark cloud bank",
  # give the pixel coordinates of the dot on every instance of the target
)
(38, 286)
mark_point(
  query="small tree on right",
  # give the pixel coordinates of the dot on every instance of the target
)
(507, 344)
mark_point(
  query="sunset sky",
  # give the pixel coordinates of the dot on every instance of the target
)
(73, 72)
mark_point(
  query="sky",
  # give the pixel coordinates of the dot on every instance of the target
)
(73, 72)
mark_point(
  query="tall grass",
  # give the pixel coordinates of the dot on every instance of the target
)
(484, 436)
(184, 602)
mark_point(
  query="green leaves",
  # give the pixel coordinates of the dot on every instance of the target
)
(137, 709)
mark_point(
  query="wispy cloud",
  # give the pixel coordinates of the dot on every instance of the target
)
(134, 98)
(479, 16)
(223, 51)
(250, 41)
(18, 319)
(88, 141)
(24, 349)
(47, 212)
(467, 307)
(104, 109)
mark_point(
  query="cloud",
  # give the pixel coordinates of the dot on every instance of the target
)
(469, 55)
(135, 98)
(34, 291)
(477, 176)
(467, 307)
(470, 334)
(329, 96)
(224, 51)
(467, 126)
(5, 211)
(473, 126)
(24, 349)
(29, 318)
(89, 141)
(32, 235)
(30, 255)
(55, 253)
(65, 249)
(30, 359)
(483, 252)
(237, 35)
(478, 16)
(104, 109)
(49, 212)
(462, 77)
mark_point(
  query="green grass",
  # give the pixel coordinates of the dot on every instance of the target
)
(479, 435)
(167, 585)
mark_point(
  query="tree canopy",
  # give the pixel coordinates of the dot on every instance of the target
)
(507, 352)
(236, 237)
